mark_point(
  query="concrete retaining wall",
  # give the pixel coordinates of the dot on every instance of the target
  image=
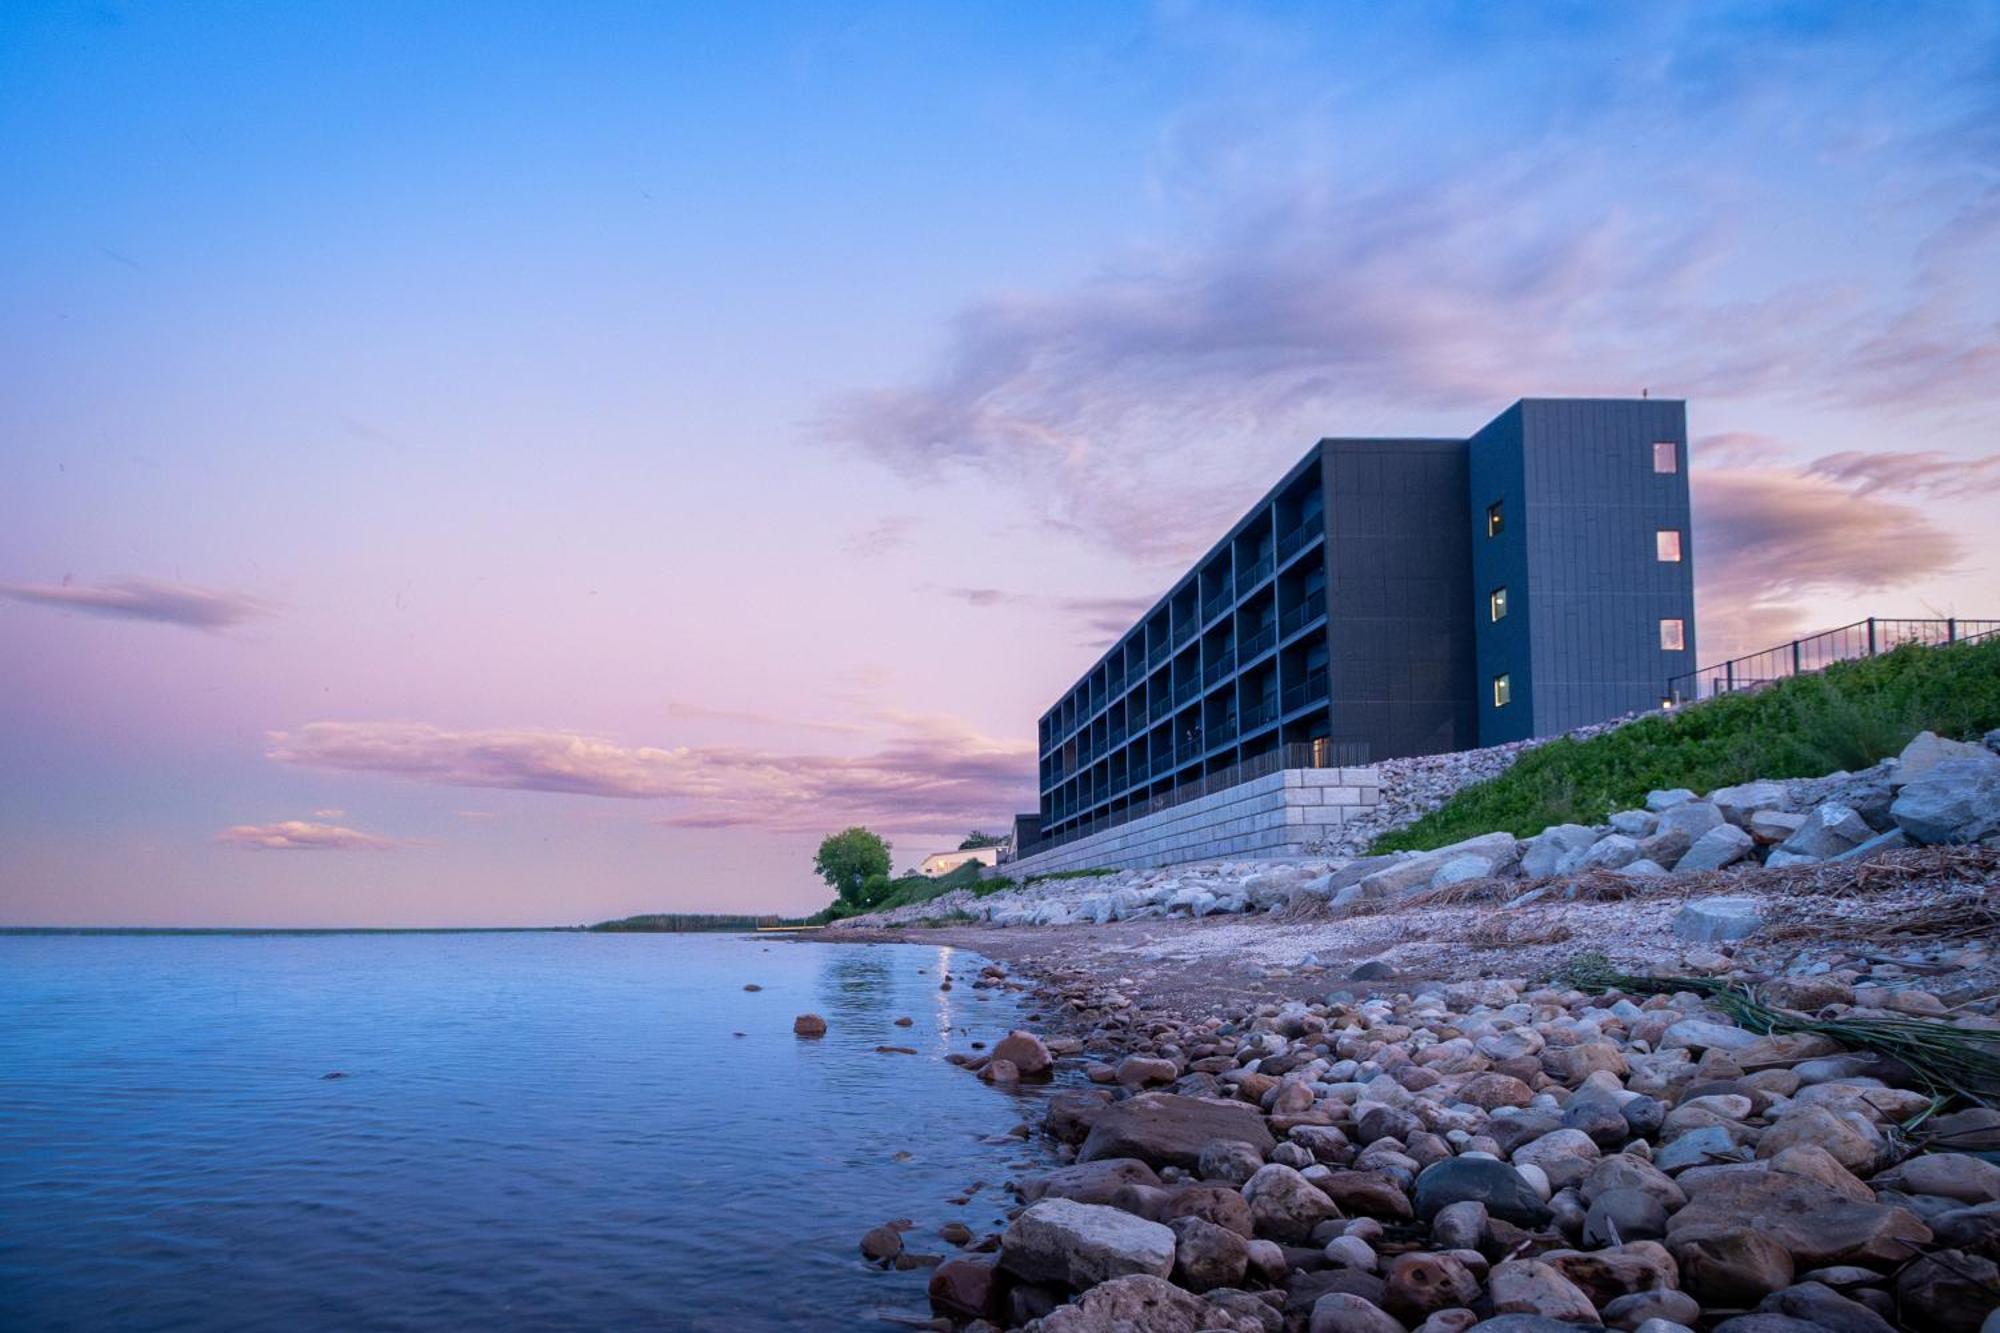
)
(1279, 814)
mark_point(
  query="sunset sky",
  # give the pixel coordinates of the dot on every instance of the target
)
(532, 463)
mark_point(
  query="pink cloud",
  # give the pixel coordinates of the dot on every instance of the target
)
(935, 775)
(297, 835)
(1766, 538)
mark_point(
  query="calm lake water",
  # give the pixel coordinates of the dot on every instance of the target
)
(535, 1130)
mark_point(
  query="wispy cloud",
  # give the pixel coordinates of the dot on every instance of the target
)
(1102, 616)
(936, 775)
(1925, 472)
(298, 835)
(884, 535)
(143, 599)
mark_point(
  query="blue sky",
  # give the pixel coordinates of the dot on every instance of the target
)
(616, 442)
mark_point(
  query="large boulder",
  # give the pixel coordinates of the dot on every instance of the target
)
(1707, 920)
(1166, 1129)
(1815, 1224)
(1499, 852)
(1740, 802)
(1952, 801)
(1723, 845)
(1089, 1182)
(1545, 851)
(1607, 853)
(1504, 1192)
(1926, 751)
(1831, 828)
(1693, 818)
(1083, 1244)
(1128, 1304)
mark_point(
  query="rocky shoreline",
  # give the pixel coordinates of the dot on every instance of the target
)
(1378, 1095)
(1489, 1153)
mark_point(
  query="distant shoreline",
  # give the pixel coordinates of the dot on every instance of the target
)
(288, 930)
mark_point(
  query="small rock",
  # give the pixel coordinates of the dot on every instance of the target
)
(809, 1025)
(1529, 1286)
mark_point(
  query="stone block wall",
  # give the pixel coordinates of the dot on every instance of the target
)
(1279, 814)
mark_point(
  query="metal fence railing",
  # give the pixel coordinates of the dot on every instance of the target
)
(1293, 754)
(1817, 652)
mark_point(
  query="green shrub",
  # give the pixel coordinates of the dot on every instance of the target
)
(1849, 716)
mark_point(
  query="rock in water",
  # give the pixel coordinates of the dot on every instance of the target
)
(809, 1025)
(1082, 1244)
(1025, 1051)
(1166, 1129)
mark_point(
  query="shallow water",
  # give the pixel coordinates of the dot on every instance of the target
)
(535, 1130)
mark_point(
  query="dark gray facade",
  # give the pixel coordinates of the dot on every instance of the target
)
(1580, 555)
(1393, 597)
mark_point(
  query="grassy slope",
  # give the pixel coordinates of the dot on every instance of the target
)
(1848, 717)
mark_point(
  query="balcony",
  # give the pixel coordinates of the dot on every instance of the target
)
(1308, 531)
(1225, 730)
(1262, 641)
(1163, 704)
(1311, 690)
(1188, 689)
(1255, 573)
(1216, 605)
(1260, 714)
(1219, 668)
(1305, 613)
(1184, 631)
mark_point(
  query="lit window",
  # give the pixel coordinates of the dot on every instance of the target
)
(1495, 521)
(1667, 545)
(1666, 456)
(1503, 690)
(1673, 636)
(1496, 604)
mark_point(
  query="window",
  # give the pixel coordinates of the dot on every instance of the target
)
(1503, 690)
(1666, 456)
(1496, 604)
(1667, 545)
(1495, 520)
(1673, 636)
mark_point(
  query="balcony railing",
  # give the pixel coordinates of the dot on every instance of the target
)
(1221, 731)
(1291, 543)
(1216, 605)
(1817, 652)
(1260, 714)
(1310, 690)
(1253, 574)
(1184, 631)
(1293, 754)
(1219, 668)
(1163, 704)
(1305, 613)
(1262, 641)
(1187, 690)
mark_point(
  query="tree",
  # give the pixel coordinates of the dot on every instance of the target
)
(848, 860)
(977, 839)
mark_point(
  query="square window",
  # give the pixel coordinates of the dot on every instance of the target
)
(1666, 456)
(1496, 604)
(1503, 691)
(1495, 520)
(1673, 636)
(1667, 545)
